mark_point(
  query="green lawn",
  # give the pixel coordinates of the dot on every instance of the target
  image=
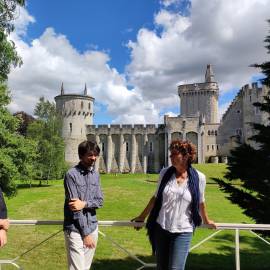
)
(125, 196)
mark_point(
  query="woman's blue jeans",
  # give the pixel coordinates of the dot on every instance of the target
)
(171, 249)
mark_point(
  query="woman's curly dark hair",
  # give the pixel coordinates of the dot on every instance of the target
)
(186, 148)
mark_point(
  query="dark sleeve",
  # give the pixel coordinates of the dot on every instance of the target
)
(3, 208)
(78, 216)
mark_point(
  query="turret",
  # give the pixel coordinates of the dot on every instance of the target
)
(76, 111)
(62, 89)
(200, 98)
(85, 90)
(209, 74)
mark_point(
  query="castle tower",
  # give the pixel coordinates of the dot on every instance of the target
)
(200, 98)
(76, 112)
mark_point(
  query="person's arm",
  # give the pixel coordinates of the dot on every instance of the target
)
(3, 237)
(4, 223)
(145, 212)
(3, 208)
(93, 203)
(205, 217)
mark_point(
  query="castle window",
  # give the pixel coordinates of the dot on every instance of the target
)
(250, 98)
(257, 110)
(151, 147)
(127, 147)
(103, 147)
(209, 133)
(70, 127)
(238, 111)
(239, 132)
(216, 132)
(213, 147)
(82, 105)
(184, 124)
(212, 132)
(207, 147)
(217, 146)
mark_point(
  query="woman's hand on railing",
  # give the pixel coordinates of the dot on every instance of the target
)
(138, 219)
(4, 224)
(211, 224)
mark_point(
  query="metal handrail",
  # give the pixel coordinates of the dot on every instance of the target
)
(220, 226)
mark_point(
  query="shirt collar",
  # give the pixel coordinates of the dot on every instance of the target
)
(85, 170)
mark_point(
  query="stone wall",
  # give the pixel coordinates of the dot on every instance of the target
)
(235, 123)
(128, 148)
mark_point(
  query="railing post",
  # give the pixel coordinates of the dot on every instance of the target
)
(237, 253)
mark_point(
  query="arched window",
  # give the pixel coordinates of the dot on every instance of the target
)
(151, 147)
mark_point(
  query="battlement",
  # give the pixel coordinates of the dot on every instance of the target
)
(195, 87)
(121, 129)
(246, 90)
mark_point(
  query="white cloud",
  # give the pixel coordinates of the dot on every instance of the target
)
(22, 20)
(228, 34)
(168, 3)
(50, 60)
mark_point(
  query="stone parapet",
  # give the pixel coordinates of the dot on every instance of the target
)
(122, 129)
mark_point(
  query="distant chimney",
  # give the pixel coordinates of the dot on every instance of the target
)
(209, 74)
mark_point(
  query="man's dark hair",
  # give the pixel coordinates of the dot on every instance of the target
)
(86, 147)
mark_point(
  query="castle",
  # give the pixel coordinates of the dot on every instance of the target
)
(144, 148)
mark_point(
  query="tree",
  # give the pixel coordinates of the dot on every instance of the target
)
(25, 121)
(8, 54)
(17, 154)
(50, 163)
(251, 165)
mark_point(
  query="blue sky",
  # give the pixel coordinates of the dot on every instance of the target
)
(133, 54)
(101, 24)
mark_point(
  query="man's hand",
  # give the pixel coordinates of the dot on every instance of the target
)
(76, 205)
(3, 238)
(4, 224)
(138, 219)
(89, 242)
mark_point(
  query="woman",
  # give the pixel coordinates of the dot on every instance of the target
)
(176, 209)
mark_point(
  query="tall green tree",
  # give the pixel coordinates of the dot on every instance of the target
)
(16, 152)
(50, 163)
(8, 54)
(251, 165)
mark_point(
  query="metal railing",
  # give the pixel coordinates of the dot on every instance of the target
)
(220, 227)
